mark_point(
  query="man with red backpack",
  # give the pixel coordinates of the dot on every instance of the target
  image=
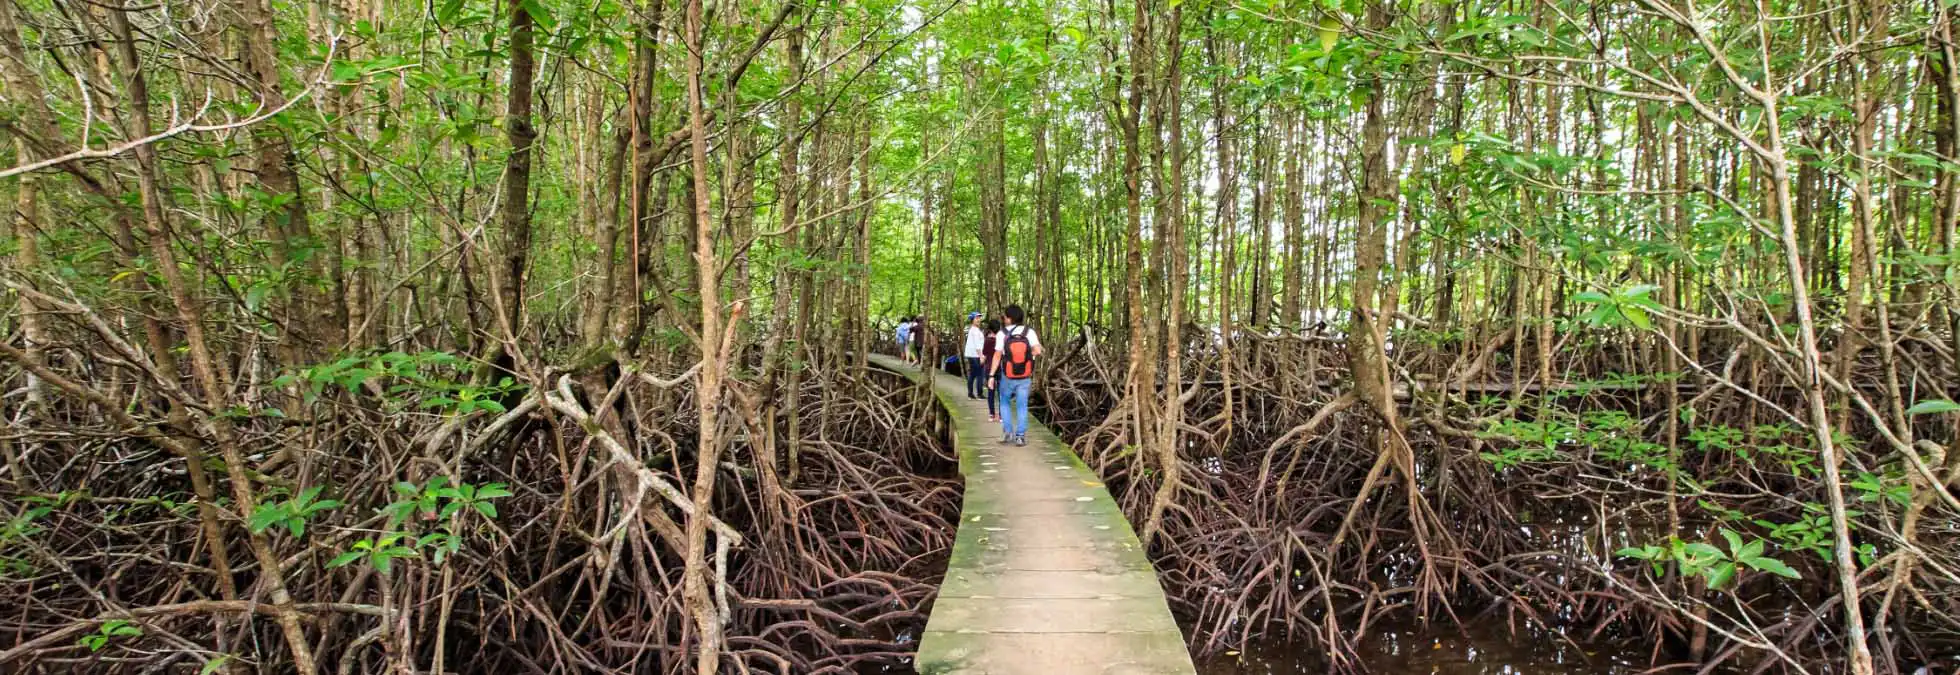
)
(1015, 349)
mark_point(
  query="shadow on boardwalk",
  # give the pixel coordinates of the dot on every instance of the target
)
(1046, 577)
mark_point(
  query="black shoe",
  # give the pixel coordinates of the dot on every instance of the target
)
(1021, 440)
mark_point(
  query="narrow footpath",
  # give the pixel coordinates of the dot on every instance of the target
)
(1046, 576)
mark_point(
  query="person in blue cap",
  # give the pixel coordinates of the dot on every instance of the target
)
(976, 376)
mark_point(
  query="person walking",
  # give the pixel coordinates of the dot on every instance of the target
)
(987, 357)
(919, 341)
(1015, 349)
(976, 378)
(904, 335)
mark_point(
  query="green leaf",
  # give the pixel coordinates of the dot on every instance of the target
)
(214, 665)
(1643, 553)
(1637, 316)
(1735, 540)
(344, 558)
(398, 512)
(1701, 550)
(1719, 575)
(317, 507)
(1330, 32)
(1772, 566)
(265, 517)
(539, 13)
(1639, 291)
(1931, 406)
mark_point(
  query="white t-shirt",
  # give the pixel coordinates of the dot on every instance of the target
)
(1000, 339)
(974, 337)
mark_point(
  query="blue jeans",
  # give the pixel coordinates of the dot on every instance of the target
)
(1014, 405)
(976, 381)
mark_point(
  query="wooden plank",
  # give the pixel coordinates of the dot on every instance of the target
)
(1046, 577)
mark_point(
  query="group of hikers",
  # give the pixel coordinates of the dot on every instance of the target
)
(998, 358)
(910, 333)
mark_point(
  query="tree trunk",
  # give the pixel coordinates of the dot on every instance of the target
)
(1295, 214)
(708, 390)
(1168, 130)
(27, 256)
(1812, 368)
(1262, 229)
(302, 330)
(136, 121)
(515, 212)
(1142, 377)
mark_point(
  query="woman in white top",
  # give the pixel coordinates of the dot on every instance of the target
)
(976, 374)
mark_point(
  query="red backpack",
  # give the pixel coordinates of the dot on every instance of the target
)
(1017, 356)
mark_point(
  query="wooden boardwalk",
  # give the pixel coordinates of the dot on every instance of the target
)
(1046, 577)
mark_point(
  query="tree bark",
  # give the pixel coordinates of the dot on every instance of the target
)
(1168, 130)
(515, 213)
(708, 390)
(27, 255)
(1294, 198)
(136, 121)
(289, 225)
(1142, 374)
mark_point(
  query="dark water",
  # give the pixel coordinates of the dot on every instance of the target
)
(1478, 649)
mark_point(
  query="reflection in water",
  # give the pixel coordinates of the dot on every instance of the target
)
(1443, 650)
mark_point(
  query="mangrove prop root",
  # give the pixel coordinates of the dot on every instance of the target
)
(578, 569)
